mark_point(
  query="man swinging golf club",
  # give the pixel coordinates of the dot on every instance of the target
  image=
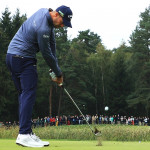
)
(35, 34)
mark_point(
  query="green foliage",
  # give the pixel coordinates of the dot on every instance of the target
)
(140, 63)
(88, 40)
(82, 132)
(8, 94)
(17, 21)
(120, 82)
(99, 64)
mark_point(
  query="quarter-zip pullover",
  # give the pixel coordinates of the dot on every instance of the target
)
(36, 34)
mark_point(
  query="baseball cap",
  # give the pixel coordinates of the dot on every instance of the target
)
(66, 13)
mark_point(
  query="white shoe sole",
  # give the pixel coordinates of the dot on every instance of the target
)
(46, 144)
(26, 145)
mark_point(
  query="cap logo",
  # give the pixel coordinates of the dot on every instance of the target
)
(70, 16)
(61, 13)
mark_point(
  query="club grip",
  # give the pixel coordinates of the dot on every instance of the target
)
(53, 76)
(61, 85)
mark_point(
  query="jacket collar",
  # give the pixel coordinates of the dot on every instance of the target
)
(50, 21)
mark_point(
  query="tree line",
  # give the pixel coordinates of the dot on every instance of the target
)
(93, 75)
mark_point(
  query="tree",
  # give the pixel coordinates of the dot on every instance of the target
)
(120, 82)
(140, 66)
(75, 70)
(99, 76)
(17, 21)
(6, 24)
(8, 94)
(89, 40)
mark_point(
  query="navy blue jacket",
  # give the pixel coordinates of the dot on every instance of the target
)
(36, 34)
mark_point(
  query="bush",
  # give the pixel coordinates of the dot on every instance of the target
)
(82, 132)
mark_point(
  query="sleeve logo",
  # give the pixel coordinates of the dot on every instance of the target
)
(45, 36)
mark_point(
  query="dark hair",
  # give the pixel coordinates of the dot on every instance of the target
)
(50, 9)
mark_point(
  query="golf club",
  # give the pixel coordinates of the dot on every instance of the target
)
(96, 131)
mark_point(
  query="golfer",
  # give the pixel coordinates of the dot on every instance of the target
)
(36, 34)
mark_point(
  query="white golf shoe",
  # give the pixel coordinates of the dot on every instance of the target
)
(37, 139)
(27, 141)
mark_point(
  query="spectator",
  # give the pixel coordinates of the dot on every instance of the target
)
(14, 124)
(136, 121)
(115, 119)
(132, 120)
(38, 122)
(145, 121)
(93, 119)
(48, 120)
(148, 121)
(106, 120)
(100, 119)
(60, 120)
(142, 121)
(42, 122)
(118, 119)
(112, 119)
(124, 120)
(129, 121)
(96, 118)
(121, 119)
(88, 118)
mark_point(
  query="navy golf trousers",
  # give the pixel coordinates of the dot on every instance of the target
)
(24, 75)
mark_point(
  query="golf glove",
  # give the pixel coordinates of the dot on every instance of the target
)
(58, 80)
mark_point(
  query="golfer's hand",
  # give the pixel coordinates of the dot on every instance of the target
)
(58, 80)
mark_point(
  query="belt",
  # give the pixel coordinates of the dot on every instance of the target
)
(17, 56)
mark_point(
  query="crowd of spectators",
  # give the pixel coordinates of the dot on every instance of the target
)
(77, 120)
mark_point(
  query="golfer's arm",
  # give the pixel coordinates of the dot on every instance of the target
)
(48, 53)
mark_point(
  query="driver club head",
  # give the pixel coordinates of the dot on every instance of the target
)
(97, 132)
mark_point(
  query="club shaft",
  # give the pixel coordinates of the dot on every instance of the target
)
(78, 108)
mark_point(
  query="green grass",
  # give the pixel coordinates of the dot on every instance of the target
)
(6, 144)
(79, 137)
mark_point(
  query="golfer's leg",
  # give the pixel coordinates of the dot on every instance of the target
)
(28, 81)
(14, 65)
